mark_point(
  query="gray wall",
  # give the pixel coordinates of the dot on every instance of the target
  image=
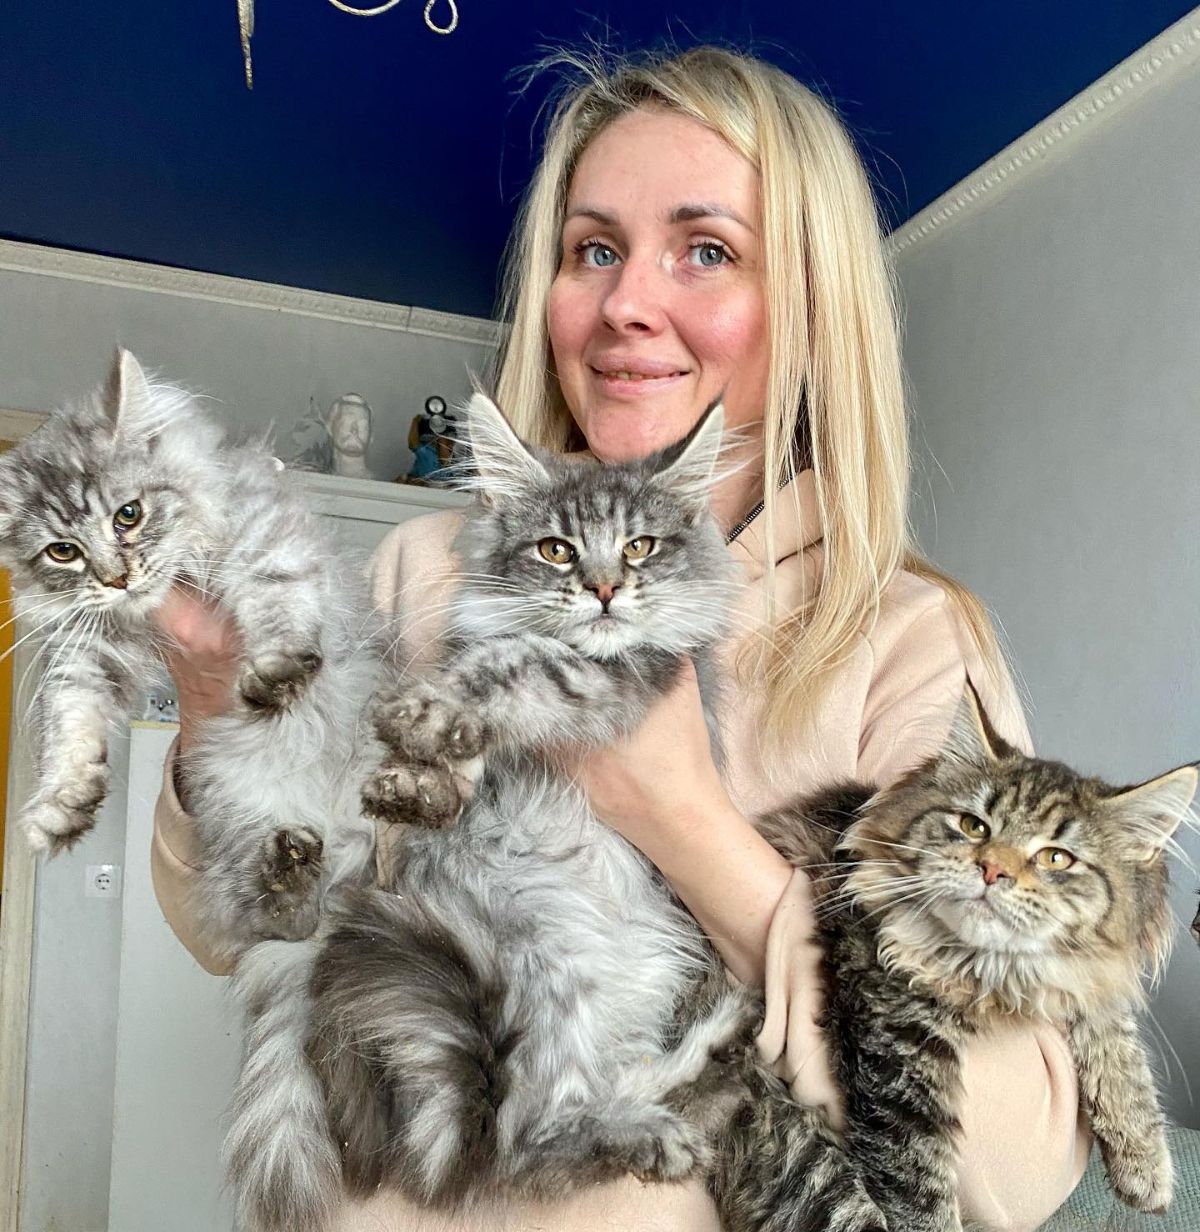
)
(1053, 346)
(260, 361)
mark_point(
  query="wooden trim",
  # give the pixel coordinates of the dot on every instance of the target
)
(16, 965)
(16, 425)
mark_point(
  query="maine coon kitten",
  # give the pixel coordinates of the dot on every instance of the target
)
(103, 509)
(987, 886)
(523, 1007)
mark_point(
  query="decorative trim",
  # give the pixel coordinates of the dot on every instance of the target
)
(243, 292)
(1159, 61)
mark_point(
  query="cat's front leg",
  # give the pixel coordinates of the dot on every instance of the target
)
(1117, 1090)
(70, 734)
(518, 693)
(278, 597)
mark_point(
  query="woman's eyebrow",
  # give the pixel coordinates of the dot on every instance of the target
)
(690, 212)
(590, 211)
(706, 209)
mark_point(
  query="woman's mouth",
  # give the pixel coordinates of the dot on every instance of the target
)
(632, 381)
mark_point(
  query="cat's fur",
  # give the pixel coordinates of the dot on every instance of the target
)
(140, 488)
(932, 935)
(524, 1007)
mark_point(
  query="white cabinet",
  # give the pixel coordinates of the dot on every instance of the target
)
(364, 511)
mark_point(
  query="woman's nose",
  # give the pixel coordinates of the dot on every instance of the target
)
(635, 301)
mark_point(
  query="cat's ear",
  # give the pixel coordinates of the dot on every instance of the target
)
(504, 466)
(127, 399)
(689, 467)
(972, 738)
(1150, 813)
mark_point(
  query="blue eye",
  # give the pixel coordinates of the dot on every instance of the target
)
(596, 254)
(710, 254)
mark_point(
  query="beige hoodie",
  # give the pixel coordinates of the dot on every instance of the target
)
(1023, 1145)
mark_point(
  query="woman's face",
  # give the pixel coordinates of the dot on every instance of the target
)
(658, 306)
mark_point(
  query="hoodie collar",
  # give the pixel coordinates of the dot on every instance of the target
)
(797, 527)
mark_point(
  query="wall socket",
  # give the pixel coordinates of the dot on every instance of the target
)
(102, 881)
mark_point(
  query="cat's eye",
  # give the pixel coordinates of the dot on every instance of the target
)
(1053, 859)
(128, 516)
(639, 548)
(556, 551)
(62, 553)
(974, 828)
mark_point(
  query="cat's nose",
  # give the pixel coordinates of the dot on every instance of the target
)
(992, 871)
(603, 591)
(119, 583)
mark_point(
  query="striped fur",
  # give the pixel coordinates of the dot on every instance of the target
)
(938, 921)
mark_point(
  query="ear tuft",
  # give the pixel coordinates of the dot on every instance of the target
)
(689, 467)
(1151, 812)
(972, 739)
(504, 465)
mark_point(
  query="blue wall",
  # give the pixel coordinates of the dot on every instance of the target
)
(375, 158)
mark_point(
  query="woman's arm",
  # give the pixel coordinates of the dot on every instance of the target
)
(203, 664)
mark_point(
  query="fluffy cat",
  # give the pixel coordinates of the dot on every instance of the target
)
(523, 1007)
(987, 886)
(103, 509)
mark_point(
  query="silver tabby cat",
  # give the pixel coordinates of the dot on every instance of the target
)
(522, 1007)
(103, 509)
(988, 887)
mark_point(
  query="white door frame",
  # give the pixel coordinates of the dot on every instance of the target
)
(16, 919)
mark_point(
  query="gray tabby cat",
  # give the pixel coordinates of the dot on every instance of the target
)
(986, 887)
(103, 509)
(523, 1007)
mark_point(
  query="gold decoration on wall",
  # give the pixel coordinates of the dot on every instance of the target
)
(246, 23)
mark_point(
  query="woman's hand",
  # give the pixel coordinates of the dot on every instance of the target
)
(661, 790)
(659, 782)
(203, 653)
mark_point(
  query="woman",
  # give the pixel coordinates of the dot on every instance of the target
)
(700, 227)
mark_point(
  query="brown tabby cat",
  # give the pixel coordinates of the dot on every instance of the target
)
(987, 886)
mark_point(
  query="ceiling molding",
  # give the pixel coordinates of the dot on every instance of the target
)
(1159, 61)
(243, 292)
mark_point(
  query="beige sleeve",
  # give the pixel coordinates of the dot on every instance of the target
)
(173, 868)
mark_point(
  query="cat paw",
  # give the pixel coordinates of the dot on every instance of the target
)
(427, 727)
(415, 793)
(290, 875)
(1145, 1178)
(275, 679)
(661, 1147)
(57, 818)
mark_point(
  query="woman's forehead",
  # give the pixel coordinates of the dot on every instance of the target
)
(661, 163)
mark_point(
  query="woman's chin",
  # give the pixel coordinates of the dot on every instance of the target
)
(627, 432)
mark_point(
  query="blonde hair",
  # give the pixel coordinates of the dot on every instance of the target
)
(835, 394)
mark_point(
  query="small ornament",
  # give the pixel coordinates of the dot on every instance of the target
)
(349, 423)
(433, 439)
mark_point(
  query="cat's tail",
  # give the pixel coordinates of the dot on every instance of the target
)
(783, 1169)
(409, 1038)
(282, 1162)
